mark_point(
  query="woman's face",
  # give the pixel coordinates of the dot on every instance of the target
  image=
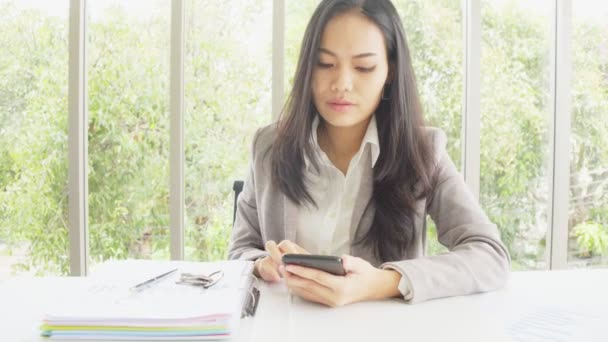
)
(351, 70)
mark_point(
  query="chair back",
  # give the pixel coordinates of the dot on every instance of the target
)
(237, 187)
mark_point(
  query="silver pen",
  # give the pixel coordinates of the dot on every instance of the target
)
(151, 281)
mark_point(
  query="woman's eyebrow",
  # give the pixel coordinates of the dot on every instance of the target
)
(361, 55)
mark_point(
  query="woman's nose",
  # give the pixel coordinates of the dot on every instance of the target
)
(342, 81)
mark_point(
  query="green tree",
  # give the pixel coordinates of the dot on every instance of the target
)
(228, 91)
(128, 136)
(33, 136)
(515, 132)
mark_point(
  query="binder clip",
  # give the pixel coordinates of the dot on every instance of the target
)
(205, 281)
(252, 298)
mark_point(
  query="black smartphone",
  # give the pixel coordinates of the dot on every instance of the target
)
(326, 263)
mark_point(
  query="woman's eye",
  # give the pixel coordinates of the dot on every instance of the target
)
(324, 65)
(366, 69)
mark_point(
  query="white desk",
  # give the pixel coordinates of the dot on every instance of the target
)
(536, 302)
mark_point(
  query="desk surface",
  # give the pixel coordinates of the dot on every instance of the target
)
(549, 306)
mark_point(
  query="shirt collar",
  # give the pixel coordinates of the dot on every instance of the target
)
(370, 137)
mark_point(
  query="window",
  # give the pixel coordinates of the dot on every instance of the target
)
(228, 96)
(228, 91)
(588, 223)
(434, 33)
(297, 14)
(33, 137)
(128, 84)
(516, 40)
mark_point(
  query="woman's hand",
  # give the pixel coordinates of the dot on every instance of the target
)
(361, 282)
(268, 267)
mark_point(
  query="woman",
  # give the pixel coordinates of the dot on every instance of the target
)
(349, 169)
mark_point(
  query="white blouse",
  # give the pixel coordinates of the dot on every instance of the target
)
(325, 230)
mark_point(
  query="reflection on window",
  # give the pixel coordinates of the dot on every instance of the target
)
(33, 137)
(128, 84)
(515, 76)
(228, 96)
(588, 223)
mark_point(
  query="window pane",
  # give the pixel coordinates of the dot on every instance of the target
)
(33, 137)
(128, 84)
(588, 224)
(515, 149)
(297, 15)
(228, 96)
(434, 33)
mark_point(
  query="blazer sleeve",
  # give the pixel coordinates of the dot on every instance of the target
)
(477, 260)
(246, 239)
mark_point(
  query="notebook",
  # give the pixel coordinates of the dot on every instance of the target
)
(106, 307)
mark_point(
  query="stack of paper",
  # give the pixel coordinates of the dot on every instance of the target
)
(108, 309)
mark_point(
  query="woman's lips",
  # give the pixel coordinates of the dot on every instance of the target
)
(340, 106)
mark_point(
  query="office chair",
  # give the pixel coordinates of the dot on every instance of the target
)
(237, 187)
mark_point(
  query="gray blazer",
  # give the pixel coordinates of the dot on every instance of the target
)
(477, 260)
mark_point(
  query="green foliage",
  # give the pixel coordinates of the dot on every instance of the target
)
(591, 238)
(589, 152)
(297, 14)
(228, 89)
(128, 135)
(433, 246)
(514, 139)
(433, 30)
(33, 137)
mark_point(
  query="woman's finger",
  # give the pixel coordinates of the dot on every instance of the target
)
(294, 281)
(275, 253)
(287, 246)
(268, 270)
(323, 278)
(309, 296)
(313, 295)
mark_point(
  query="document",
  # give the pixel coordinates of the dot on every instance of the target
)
(549, 323)
(108, 308)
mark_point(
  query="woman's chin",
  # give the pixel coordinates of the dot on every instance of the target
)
(344, 120)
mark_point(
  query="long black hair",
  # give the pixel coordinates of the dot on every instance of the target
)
(403, 171)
